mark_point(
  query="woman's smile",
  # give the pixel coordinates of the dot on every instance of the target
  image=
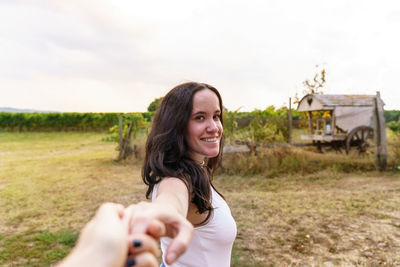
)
(210, 139)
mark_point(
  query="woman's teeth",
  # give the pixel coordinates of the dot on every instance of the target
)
(210, 139)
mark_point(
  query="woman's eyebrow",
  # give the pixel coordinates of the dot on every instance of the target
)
(203, 112)
(199, 112)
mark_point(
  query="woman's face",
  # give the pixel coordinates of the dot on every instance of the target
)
(204, 129)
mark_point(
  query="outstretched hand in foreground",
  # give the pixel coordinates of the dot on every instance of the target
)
(127, 237)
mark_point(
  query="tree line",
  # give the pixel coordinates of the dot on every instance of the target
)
(236, 122)
(56, 122)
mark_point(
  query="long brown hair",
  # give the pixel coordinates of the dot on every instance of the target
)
(167, 153)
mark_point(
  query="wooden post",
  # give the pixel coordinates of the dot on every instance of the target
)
(380, 134)
(120, 129)
(290, 121)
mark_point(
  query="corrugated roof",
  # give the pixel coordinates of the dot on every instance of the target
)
(346, 100)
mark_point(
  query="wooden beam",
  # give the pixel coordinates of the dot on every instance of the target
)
(380, 134)
(309, 113)
(334, 131)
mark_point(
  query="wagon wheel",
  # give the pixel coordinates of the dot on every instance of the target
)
(361, 138)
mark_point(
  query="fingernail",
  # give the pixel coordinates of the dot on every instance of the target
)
(137, 243)
(130, 262)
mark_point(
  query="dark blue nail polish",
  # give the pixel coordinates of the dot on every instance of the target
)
(137, 243)
(130, 262)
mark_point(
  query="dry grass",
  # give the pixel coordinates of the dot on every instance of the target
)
(54, 182)
(393, 149)
(273, 162)
(346, 220)
(298, 215)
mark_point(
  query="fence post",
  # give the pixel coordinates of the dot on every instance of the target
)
(380, 134)
(290, 121)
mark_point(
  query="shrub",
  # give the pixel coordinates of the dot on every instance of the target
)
(394, 126)
(132, 125)
(264, 130)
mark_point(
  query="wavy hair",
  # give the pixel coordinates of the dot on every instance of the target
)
(167, 153)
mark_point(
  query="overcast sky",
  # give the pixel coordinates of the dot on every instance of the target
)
(118, 55)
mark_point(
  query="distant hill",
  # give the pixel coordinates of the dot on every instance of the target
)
(19, 110)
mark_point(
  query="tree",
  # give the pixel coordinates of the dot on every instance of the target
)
(154, 105)
(314, 87)
(125, 133)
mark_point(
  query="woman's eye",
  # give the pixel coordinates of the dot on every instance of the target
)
(217, 116)
(199, 118)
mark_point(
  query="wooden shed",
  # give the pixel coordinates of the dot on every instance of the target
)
(352, 120)
(347, 112)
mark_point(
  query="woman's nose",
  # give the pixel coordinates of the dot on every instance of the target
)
(212, 126)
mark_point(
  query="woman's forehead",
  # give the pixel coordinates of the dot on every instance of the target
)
(206, 101)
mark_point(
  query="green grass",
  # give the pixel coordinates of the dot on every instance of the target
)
(35, 248)
(287, 213)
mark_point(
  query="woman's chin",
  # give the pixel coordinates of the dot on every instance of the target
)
(212, 154)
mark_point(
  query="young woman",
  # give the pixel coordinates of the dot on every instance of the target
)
(183, 150)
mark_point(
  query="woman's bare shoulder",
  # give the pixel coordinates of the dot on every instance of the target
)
(172, 183)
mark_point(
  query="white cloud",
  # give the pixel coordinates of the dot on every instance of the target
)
(123, 54)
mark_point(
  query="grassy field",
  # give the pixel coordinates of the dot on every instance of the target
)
(52, 183)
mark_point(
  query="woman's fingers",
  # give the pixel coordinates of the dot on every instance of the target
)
(147, 218)
(180, 241)
(144, 259)
(156, 229)
(139, 243)
(137, 218)
(181, 232)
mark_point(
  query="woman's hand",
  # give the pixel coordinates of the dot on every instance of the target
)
(104, 241)
(158, 220)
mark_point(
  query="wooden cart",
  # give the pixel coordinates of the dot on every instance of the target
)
(348, 121)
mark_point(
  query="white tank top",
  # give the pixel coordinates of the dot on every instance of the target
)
(211, 245)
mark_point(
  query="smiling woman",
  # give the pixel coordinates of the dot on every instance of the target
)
(204, 129)
(183, 150)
